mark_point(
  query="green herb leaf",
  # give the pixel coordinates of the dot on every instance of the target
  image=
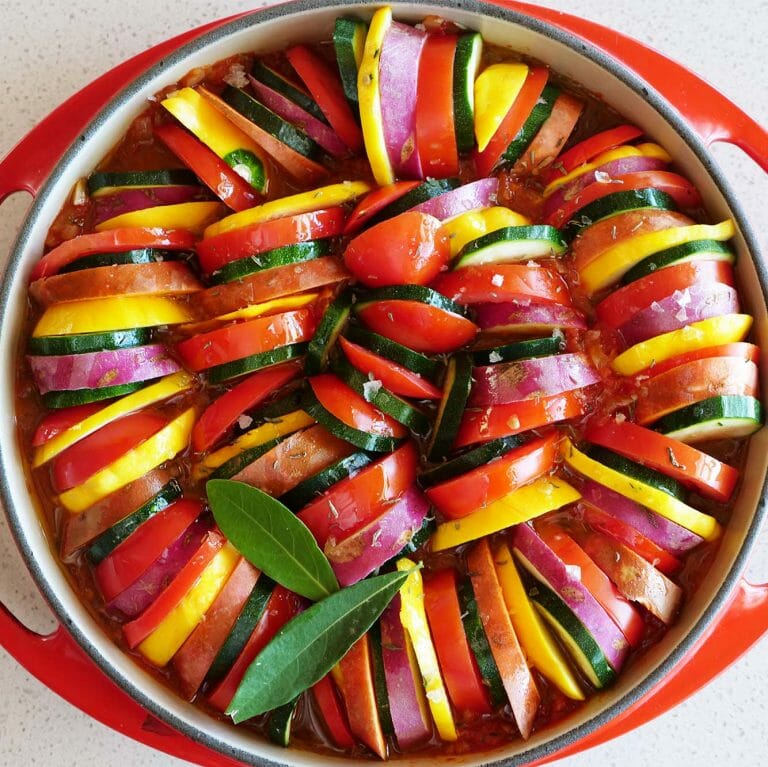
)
(311, 644)
(271, 537)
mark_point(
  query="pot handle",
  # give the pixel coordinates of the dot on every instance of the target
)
(26, 167)
(732, 632)
(713, 116)
(64, 667)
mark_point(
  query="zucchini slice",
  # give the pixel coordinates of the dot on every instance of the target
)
(416, 362)
(71, 397)
(613, 204)
(466, 65)
(240, 633)
(458, 382)
(468, 461)
(637, 471)
(136, 256)
(328, 331)
(724, 417)
(311, 488)
(279, 723)
(103, 183)
(478, 643)
(380, 681)
(288, 254)
(536, 119)
(286, 88)
(272, 123)
(349, 43)
(383, 399)
(521, 350)
(83, 343)
(432, 187)
(219, 373)
(697, 250)
(111, 538)
(512, 244)
(411, 293)
(376, 443)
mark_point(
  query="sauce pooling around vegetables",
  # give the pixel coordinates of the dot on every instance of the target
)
(442, 306)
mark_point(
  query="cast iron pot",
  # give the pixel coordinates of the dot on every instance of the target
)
(79, 662)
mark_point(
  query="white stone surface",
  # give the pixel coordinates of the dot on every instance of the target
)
(48, 50)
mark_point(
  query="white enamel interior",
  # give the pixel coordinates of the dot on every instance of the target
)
(275, 34)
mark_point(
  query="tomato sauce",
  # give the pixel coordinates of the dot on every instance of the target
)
(138, 150)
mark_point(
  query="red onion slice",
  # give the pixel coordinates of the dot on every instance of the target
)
(129, 200)
(527, 317)
(478, 194)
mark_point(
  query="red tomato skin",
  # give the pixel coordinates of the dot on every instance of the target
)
(409, 249)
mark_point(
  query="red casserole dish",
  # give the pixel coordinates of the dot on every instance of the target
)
(742, 616)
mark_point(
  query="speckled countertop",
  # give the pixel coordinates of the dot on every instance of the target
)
(49, 50)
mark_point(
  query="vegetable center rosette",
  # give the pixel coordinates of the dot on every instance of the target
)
(382, 404)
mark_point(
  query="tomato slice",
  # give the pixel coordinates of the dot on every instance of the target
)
(458, 664)
(416, 248)
(625, 302)
(741, 349)
(530, 93)
(474, 490)
(418, 326)
(515, 675)
(682, 191)
(482, 424)
(351, 409)
(231, 188)
(214, 252)
(684, 463)
(137, 552)
(111, 241)
(83, 459)
(376, 201)
(270, 285)
(502, 283)
(394, 377)
(356, 500)
(620, 531)
(692, 382)
(356, 683)
(242, 339)
(58, 421)
(326, 88)
(280, 608)
(222, 413)
(627, 619)
(140, 628)
(435, 129)
(590, 148)
(332, 712)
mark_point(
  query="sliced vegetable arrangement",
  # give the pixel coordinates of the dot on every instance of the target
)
(349, 447)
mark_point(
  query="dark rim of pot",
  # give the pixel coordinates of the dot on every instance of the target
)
(580, 46)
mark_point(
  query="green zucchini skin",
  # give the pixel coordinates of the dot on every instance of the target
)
(456, 387)
(348, 42)
(533, 124)
(136, 256)
(466, 64)
(380, 680)
(329, 329)
(410, 293)
(279, 723)
(219, 373)
(478, 642)
(278, 83)
(698, 250)
(241, 631)
(101, 183)
(110, 539)
(432, 187)
(58, 399)
(84, 343)
(721, 417)
(520, 350)
(637, 471)
(272, 123)
(512, 244)
(414, 361)
(613, 205)
(237, 463)
(288, 254)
